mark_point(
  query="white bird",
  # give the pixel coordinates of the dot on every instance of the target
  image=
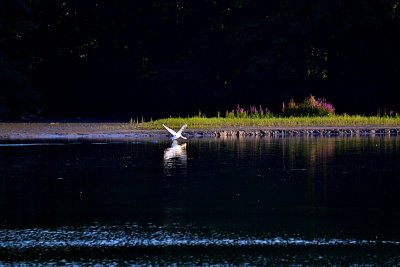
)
(176, 135)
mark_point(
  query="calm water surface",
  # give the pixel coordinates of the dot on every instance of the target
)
(257, 201)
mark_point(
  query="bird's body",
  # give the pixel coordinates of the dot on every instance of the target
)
(176, 135)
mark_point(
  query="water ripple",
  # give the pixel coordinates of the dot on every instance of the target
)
(161, 236)
(29, 144)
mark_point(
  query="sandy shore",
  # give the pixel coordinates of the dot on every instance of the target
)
(71, 131)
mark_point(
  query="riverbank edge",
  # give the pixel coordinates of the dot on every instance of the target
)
(71, 131)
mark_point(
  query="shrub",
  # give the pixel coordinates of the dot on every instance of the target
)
(253, 112)
(311, 107)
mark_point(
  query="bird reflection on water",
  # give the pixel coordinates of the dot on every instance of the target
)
(175, 157)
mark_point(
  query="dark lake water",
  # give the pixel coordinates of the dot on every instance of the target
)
(257, 201)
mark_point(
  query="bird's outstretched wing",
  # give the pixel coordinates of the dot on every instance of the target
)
(169, 130)
(181, 129)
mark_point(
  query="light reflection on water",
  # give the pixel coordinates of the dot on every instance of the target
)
(111, 245)
(133, 235)
(29, 144)
(175, 157)
(177, 244)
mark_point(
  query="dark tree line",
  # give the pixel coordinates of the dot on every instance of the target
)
(70, 58)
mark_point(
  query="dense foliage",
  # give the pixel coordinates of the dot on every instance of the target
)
(96, 57)
(252, 112)
(310, 107)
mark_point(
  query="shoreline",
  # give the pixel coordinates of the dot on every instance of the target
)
(125, 131)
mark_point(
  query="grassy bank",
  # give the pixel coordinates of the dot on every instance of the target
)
(197, 122)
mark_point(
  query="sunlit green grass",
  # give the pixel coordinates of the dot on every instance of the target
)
(197, 122)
